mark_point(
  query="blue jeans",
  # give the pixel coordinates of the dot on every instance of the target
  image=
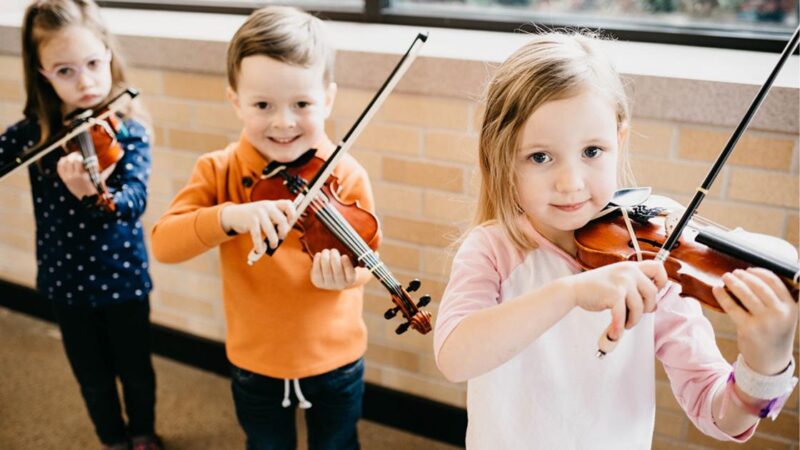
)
(335, 396)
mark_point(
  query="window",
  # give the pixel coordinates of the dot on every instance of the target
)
(750, 15)
(236, 6)
(763, 25)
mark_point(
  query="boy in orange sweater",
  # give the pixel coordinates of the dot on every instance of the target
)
(293, 324)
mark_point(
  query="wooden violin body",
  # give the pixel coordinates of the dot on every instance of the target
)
(695, 266)
(315, 235)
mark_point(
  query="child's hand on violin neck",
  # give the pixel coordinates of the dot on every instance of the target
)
(766, 320)
(333, 271)
(262, 218)
(75, 177)
(629, 289)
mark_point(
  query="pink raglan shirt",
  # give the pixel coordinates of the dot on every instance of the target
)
(556, 393)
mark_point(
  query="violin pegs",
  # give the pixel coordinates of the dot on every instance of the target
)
(402, 328)
(413, 285)
(391, 312)
(424, 300)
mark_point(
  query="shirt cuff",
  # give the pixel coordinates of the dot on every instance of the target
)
(721, 435)
(208, 225)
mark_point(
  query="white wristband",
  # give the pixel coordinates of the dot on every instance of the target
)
(761, 386)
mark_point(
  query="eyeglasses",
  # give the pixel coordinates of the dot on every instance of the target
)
(67, 73)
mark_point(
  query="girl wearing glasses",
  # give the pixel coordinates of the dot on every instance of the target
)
(92, 262)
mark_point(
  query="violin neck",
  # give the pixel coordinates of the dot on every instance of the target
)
(89, 154)
(725, 244)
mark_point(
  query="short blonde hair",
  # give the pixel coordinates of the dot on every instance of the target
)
(552, 66)
(285, 34)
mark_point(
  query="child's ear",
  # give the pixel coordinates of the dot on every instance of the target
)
(330, 97)
(233, 98)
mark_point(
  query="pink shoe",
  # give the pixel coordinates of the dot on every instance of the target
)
(152, 442)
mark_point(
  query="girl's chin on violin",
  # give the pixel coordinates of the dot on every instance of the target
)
(566, 216)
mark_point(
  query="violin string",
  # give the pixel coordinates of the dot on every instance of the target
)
(708, 223)
(347, 235)
(357, 245)
(339, 229)
(344, 231)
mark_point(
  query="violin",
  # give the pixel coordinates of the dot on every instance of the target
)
(99, 147)
(695, 262)
(90, 131)
(330, 223)
(702, 254)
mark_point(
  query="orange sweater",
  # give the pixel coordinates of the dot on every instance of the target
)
(278, 323)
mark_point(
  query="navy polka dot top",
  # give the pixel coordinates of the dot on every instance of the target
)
(86, 255)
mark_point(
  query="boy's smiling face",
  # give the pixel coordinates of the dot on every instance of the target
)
(283, 106)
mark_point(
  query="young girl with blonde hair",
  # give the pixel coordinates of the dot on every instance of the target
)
(92, 262)
(519, 320)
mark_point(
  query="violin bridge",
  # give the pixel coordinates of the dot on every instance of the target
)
(671, 222)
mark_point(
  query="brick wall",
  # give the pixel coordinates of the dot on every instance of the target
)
(420, 153)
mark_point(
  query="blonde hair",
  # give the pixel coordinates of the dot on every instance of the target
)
(285, 34)
(553, 66)
(44, 18)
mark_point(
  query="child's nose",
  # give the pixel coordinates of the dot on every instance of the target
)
(84, 79)
(570, 179)
(283, 119)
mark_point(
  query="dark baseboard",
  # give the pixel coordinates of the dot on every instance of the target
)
(389, 407)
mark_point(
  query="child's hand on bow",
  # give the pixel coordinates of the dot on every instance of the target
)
(333, 271)
(262, 218)
(629, 289)
(75, 177)
(765, 321)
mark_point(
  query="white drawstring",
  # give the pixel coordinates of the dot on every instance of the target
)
(303, 403)
(286, 402)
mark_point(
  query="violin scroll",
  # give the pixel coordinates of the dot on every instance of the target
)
(415, 317)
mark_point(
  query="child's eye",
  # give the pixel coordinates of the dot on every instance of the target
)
(93, 64)
(65, 71)
(540, 158)
(592, 152)
(261, 105)
(302, 105)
